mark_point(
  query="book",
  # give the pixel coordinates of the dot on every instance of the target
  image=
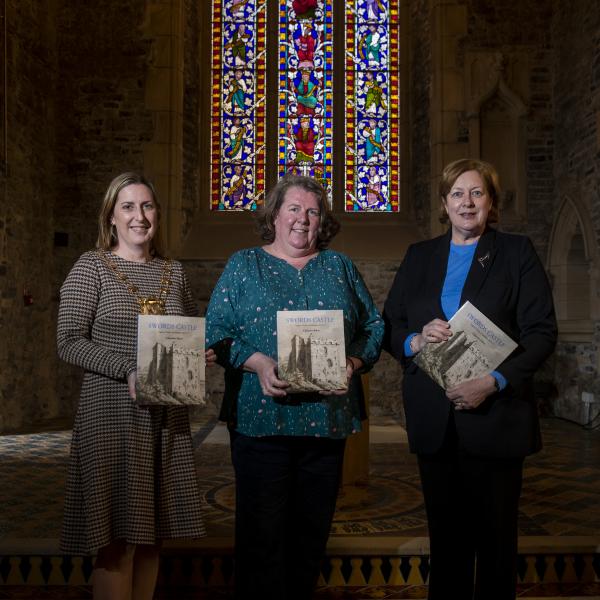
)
(170, 360)
(311, 351)
(476, 347)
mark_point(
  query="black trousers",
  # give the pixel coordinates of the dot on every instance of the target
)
(472, 508)
(286, 490)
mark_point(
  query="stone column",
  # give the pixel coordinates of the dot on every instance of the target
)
(164, 98)
(449, 25)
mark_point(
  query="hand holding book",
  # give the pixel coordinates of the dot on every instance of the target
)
(470, 394)
(433, 332)
(210, 358)
(131, 384)
(266, 369)
(353, 364)
(473, 346)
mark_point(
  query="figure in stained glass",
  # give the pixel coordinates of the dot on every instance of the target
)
(305, 9)
(372, 162)
(306, 88)
(374, 9)
(316, 171)
(236, 49)
(374, 149)
(374, 101)
(235, 138)
(370, 45)
(305, 43)
(305, 139)
(238, 88)
(375, 199)
(239, 36)
(236, 192)
(238, 9)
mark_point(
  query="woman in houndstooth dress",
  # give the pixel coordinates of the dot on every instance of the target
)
(131, 479)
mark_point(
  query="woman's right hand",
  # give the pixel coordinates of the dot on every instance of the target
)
(210, 358)
(266, 369)
(131, 384)
(433, 332)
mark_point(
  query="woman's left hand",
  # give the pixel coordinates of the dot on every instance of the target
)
(470, 394)
(352, 364)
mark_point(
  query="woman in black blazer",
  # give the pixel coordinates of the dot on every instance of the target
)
(471, 439)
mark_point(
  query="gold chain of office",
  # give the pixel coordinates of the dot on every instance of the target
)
(148, 305)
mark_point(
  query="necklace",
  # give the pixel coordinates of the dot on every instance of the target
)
(148, 305)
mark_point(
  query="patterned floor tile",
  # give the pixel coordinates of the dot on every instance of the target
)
(561, 490)
(561, 496)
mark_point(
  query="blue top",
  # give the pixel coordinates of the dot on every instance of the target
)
(459, 263)
(243, 308)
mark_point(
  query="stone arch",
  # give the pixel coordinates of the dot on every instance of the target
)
(572, 261)
(496, 120)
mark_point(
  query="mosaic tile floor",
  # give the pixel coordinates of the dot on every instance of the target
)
(560, 504)
(561, 490)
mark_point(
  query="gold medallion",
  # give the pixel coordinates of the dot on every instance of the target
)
(150, 305)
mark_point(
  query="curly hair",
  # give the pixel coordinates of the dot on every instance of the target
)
(107, 236)
(488, 173)
(266, 215)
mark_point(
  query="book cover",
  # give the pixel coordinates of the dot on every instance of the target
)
(311, 353)
(476, 347)
(170, 360)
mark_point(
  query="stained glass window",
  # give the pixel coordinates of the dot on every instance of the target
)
(304, 100)
(306, 88)
(372, 106)
(238, 104)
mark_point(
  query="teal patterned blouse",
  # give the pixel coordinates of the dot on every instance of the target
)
(243, 309)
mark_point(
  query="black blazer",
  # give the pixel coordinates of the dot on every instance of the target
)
(507, 283)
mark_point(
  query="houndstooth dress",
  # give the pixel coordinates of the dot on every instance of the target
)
(131, 473)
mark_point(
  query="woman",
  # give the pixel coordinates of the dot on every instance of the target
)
(287, 450)
(131, 479)
(471, 439)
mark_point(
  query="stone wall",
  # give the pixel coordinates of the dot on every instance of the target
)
(27, 180)
(100, 131)
(76, 118)
(193, 95)
(577, 173)
(521, 33)
(102, 121)
(385, 379)
(420, 119)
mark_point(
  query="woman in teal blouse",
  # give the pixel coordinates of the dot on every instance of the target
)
(287, 450)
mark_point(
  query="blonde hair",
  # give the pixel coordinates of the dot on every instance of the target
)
(107, 234)
(488, 173)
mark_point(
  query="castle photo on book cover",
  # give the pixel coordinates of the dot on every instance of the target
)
(170, 360)
(476, 347)
(311, 354)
